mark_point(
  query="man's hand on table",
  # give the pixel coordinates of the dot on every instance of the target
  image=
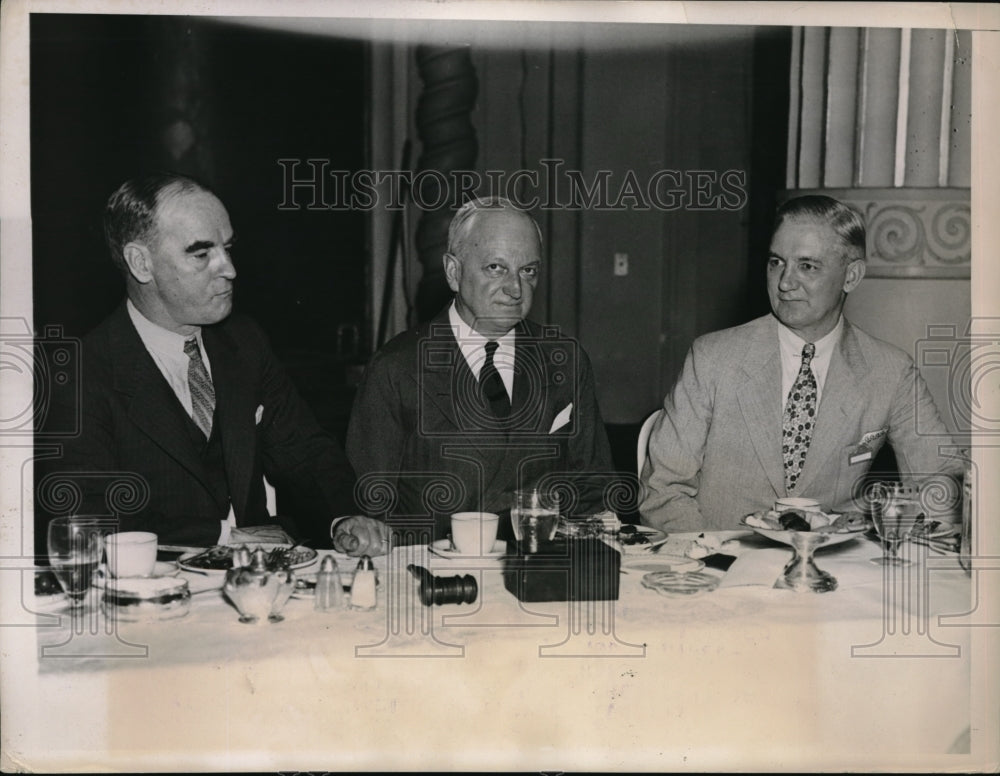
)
(357, 536)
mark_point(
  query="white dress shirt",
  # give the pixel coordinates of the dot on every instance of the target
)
(790, 344)
(473, 347)
(167, 349)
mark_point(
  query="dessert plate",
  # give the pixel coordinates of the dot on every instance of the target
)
(219, 559)
(638, 539)
(815, 538)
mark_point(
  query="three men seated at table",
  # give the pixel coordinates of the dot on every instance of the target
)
(186, 407)
(795, 403)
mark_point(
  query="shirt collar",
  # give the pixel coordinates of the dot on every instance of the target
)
(470, 340)
(791, 343)
(155, 337)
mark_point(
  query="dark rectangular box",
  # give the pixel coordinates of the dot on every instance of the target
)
(565, 570)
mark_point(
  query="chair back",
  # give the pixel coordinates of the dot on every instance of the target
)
(642, 448)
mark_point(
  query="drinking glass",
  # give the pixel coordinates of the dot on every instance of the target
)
(75, 547)
(896, 511)
(534, 516)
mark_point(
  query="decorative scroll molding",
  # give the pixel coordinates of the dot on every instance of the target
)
(912, 233)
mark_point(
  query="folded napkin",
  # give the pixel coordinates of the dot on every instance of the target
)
(259, 534)
(757, 567)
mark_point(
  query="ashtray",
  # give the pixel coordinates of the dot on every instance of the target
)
(132, 599)
(680, 583)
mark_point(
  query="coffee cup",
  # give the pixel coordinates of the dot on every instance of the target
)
(131, 553)
(801, 504)
(474, 533)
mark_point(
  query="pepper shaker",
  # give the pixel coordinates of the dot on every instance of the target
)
(363, 588)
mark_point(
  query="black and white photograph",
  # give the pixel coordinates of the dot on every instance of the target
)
(500, 386)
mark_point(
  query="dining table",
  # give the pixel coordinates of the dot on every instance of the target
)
(884, 672)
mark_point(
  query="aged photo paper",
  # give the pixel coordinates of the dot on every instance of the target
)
(690, 693)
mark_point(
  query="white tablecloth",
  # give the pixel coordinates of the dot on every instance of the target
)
(875, 674)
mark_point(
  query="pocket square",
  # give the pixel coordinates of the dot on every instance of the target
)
(258, 415)
(871, 436)
(562, 418)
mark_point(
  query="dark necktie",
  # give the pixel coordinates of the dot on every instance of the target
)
(200, 385)
(799, 419)
(492, 385)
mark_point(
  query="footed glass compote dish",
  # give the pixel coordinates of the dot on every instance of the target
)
(801, 573)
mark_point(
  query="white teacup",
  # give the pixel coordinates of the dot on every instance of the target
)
(474, 533)
(131, 553)
(801, 504)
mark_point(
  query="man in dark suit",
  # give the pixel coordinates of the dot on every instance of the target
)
(796, 403)
(185, 405)
(456, 414)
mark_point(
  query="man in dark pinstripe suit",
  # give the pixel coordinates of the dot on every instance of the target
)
(188, 402)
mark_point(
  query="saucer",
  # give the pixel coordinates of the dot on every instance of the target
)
(161, 569)
(442, 548)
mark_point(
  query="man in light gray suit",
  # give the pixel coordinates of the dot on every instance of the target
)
(796, 403)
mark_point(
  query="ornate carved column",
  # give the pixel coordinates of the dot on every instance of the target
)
(449, 144)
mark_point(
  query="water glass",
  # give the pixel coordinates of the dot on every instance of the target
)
(75, 546)
(534, 517)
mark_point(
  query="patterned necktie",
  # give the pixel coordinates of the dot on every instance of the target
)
(799, 420)
(202, 390)
(492, 384)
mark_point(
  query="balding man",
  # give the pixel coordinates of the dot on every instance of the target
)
(456, 414)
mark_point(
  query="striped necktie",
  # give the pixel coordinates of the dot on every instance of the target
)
(202, 390)
(799, 419)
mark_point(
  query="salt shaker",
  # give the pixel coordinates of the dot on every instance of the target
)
(363, 588)
(329, 591)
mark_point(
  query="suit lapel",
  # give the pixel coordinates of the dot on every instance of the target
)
(157, 413)
(760, 401)
(531, 382)
(441, 369)
(534, 389)
(841, 394)
(234, 412)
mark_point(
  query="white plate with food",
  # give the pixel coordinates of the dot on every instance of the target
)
(783, 526)
(935, 529)
(219, 559)
(638, 539)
